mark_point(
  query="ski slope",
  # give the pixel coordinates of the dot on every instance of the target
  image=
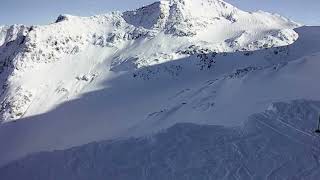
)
(134, 74)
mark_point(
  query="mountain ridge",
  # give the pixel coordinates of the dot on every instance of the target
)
(117, 75)
(121, 32)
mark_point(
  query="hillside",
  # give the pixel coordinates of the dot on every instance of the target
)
(178, 65)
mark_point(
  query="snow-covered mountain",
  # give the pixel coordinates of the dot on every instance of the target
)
(133, 74)
(40, 60)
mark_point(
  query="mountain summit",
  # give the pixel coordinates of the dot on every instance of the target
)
(183, 17)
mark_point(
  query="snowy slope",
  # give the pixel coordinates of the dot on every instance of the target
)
(276, 144)
(127, 41)
(117, 75)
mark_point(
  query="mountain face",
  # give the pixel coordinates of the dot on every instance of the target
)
(137, 73)
(161, 32)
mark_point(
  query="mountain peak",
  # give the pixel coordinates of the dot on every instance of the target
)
(180, 17)
(64, 17)
(150, 16)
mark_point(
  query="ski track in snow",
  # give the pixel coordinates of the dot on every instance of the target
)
(256, 150)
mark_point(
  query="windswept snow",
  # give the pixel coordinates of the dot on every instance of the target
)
(131, 74)
(277, 144)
